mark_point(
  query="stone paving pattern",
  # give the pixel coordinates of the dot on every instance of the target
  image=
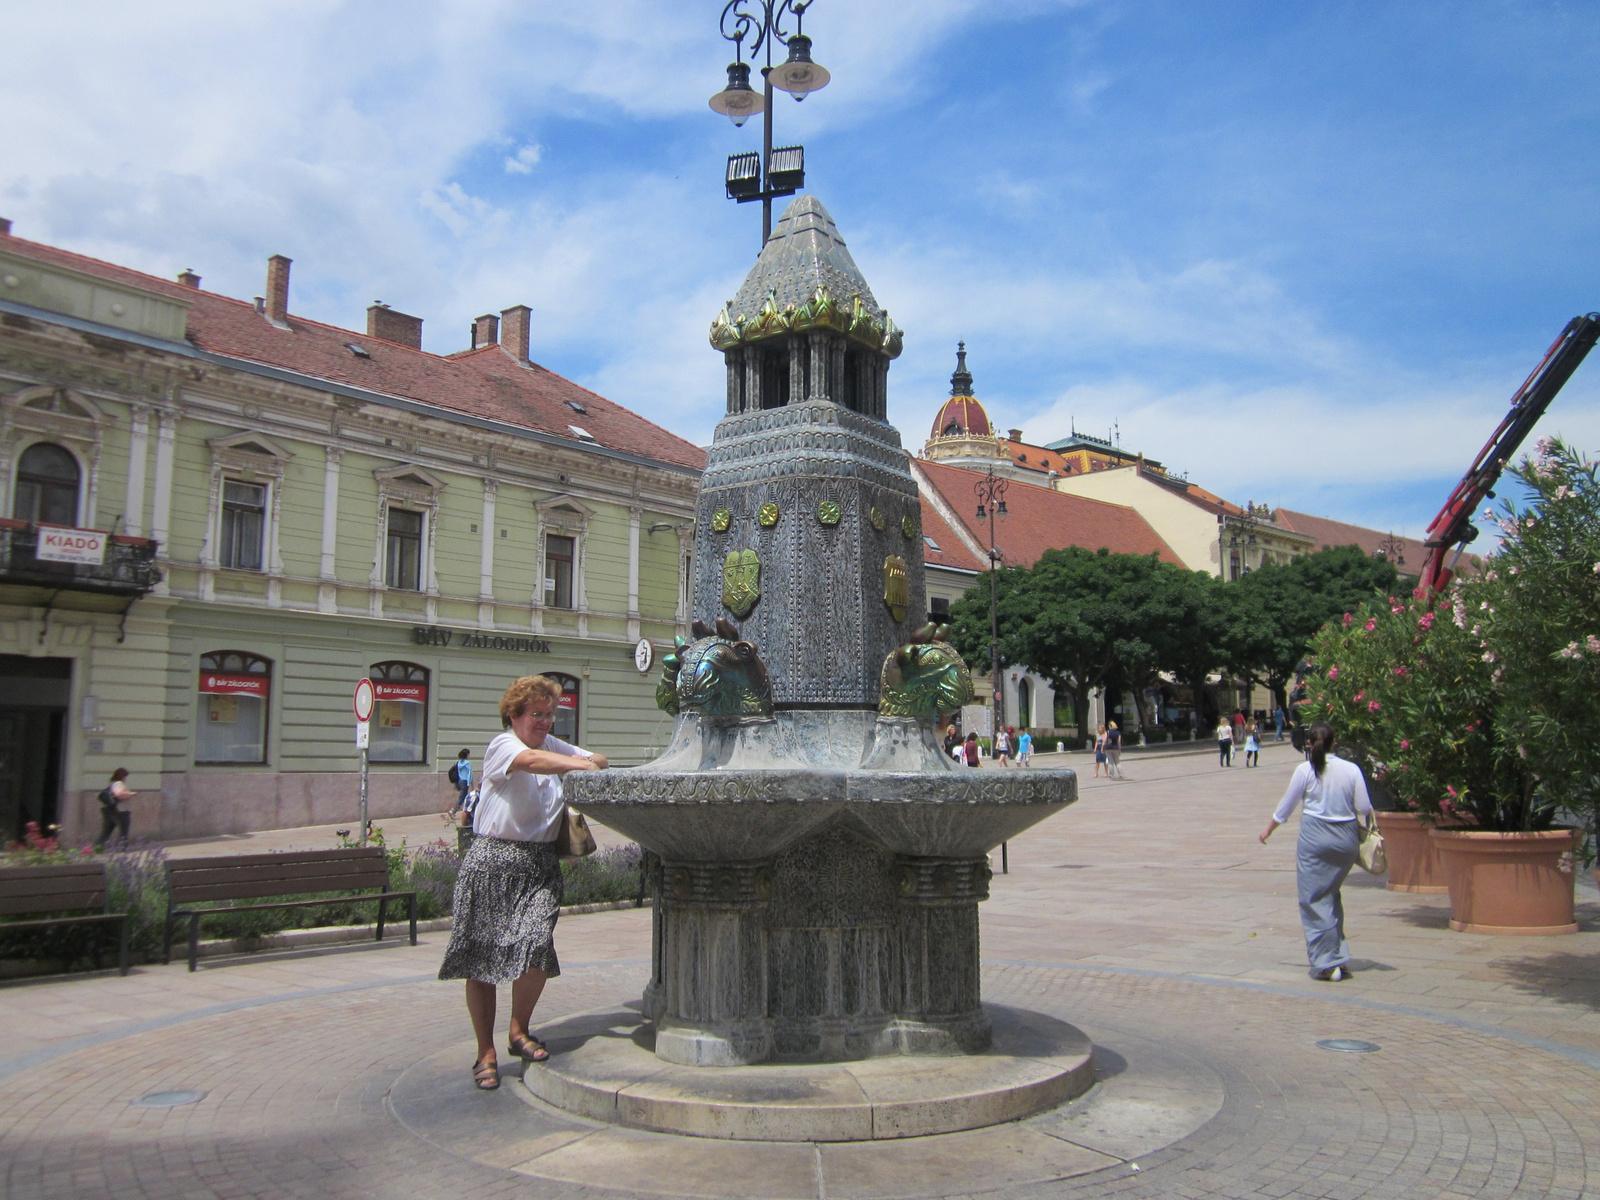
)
(1147, 915)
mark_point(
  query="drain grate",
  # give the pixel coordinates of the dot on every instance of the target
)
(168, 1099)
(1348, 1045)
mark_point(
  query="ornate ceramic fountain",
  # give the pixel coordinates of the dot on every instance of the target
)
(821, 860)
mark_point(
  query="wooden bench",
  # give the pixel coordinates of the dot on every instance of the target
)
(29, 891)
(247, 876)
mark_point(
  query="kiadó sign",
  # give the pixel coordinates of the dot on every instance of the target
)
(432, 635)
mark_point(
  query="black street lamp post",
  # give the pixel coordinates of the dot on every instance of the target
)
(991, 492)
(780, 172)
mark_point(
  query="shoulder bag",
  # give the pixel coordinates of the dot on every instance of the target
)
(573, 839)
(1370, 852)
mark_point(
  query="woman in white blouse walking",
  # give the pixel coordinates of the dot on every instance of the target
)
(1333, 801)
(508, 894)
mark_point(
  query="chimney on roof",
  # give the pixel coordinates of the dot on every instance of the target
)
(485, 330)
(514, 331)
(278, 289)
(189, 279)
(1014, 434)
(393, 326)
(5, 226)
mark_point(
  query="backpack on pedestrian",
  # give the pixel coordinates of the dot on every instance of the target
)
(455, 774)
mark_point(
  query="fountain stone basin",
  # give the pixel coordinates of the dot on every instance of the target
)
(811, 912)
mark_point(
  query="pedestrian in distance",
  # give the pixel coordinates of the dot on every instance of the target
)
(1252, 746)
(1002, 747)
(1238, 727)
(1114, 751)
(1279, 721)
(971, 752)
(1100, 751)
(114, 816)
(1224, 743)
(1025, 749)
(1333, 802)
(952, 739)
(461, 776)
(508, 893)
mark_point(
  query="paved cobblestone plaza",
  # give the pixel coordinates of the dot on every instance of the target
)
(1146, 915)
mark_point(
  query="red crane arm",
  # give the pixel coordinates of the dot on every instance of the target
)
(1453, 526)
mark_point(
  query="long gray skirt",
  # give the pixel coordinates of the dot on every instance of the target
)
(1325, 853)
(507, 899)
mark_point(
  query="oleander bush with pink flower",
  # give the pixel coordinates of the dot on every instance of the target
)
(1484, 705)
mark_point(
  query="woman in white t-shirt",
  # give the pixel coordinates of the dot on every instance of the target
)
(508, 894)
(1333, 801)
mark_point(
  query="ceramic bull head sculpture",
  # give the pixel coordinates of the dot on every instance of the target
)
(925, 677)
(717, 674)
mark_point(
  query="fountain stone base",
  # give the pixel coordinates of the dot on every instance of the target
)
(602, 1067)
(809, 911)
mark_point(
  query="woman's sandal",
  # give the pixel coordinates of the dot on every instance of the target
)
(1333, 975)
(486, 1075)
(529, 1049)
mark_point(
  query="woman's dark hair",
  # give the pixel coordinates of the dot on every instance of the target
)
(1321, 743)
(465, 753)
(972, 737)
(119, 774)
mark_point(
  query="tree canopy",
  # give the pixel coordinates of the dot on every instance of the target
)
(1276, 609)
(1088, 619)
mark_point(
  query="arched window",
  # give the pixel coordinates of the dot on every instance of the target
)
(566, 726)
(47, 486)
(235, 688)
(1024, 704)
(400, 723)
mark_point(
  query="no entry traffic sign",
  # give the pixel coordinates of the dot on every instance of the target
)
(364, 699)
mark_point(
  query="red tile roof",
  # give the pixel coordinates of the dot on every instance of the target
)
(1041, 459)
(486, 383)
(1338, 533)
(952, 551)
(1040, 519)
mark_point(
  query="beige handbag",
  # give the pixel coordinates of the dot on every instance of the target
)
(573, 839)
(1370, 852)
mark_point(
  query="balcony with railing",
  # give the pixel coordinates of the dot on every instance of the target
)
(128, 568)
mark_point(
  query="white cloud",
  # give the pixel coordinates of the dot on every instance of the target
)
(524, 160)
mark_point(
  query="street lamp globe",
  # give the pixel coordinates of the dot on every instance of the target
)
(738, 101)
(799, 75)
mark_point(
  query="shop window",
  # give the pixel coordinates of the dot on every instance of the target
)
(400, 722)
(403, 560)
(559, 553)
(235, 687)
(566, 726)
(244, 513)
(47, 486)
(939, 610)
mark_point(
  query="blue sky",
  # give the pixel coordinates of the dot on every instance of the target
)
(1303, 252)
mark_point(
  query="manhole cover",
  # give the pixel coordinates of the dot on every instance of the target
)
(1348, 1045)
(168, 1099)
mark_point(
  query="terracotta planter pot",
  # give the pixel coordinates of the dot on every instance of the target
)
(1414, 864)
(1509, 883)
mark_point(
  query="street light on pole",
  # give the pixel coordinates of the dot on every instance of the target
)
(779, 172)
(991, 492)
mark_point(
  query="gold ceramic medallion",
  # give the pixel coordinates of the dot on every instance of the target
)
(875, 515)
(741, 582)
(828, 512)
(767, 515)
(720, 520)
(896, 587)
(908, 527)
